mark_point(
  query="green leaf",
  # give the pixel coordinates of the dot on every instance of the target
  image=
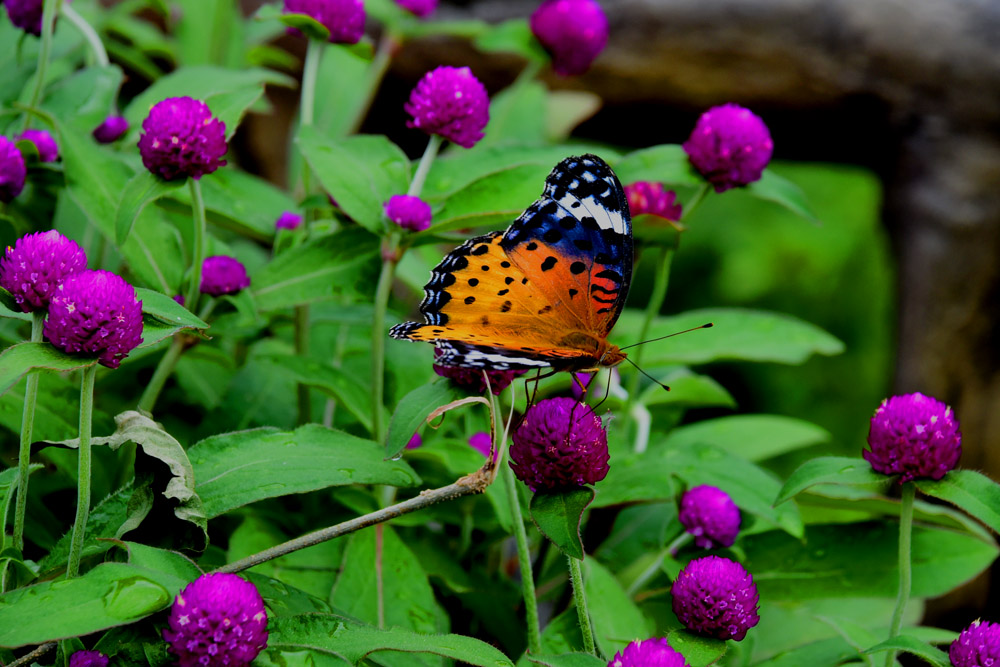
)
(165, 309)
(517, 115)
(752, 437)
(84, 97)
(228, 467)
(913, 645)
(649, 476)
(164, 480)
(162, 560)
(413, 605)
(558, 515)
(10, 308)
(666, 163)
(413, 409)
(212, 85)
(141, 190)
(689, 390)
(361, 172)
(780, 190)
(23, 358)
(110, 595)
(312, 28)
(738, 334)
(969, 490)
(567, 660)
(512, 36)
(352, 392)
(859, 560)
(105, 521)
(697, 651)
(353, 642)
(496, 198)
(316, 270)
(846, 470)
(617, 620)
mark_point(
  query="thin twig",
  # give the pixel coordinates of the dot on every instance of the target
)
(37, 653)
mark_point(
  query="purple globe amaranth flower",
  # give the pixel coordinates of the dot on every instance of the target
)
(217, 620)
(111, 129)
(416, 442)
(95, 313)
(730, 146)
(12, 170)
(181, 138)
(647, 198)
(48, 149)
(288, 220)
(977, 646)
(345, 19)
(419, 8)
(656, 652)
(88, 659)
(26, 15)
(574, 32)
(35, 268)
(914, 436)
(472, 380)
(452, 103)
(711, 516)
(560, 444)
(481, 442)
(408, 212)
(716, 597)
(221, 274)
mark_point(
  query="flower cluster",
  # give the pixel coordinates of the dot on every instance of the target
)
(111, 129)
(647, 198)
(560, 444)
(181, 138)
(88, 659)
(12, 170)
(914, 436)
(716, 597)
(26, 15)
(221, 274)
(345, 19)
(452, 103)
(48, 149)
(408, 212)
(730, 146)
(33, 270)
(574, 32)
(711, 516)
(217, 620)
(419, 8)
(481, 442)
(655, 652)
(977, 646)
(288, 220)
(96, 313)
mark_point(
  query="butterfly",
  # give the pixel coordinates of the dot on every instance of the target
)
(544, 293)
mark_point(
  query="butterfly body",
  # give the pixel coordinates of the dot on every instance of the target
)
(544, 293)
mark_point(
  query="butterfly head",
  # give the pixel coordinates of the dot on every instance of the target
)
(611, 356)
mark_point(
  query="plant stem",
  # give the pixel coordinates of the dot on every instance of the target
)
(49, 10)
(88, 32)
(307, 101)
(302, 350)
(382, 292)
(905, 565)
(200, 232)
(83, 478)
(27, 427)
(580, 598)
(524, 563)
(163, 371)
(426, 160)
(373, 79)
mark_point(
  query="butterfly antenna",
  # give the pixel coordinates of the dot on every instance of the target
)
(647, 374)
(678, 333)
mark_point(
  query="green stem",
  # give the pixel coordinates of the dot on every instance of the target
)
(307, 101)
(49, 10)
(580, 598)
(88, 32)
(27, 427)
(302, 350)
(163, 371)
(378, 334)
(417, 184)
(524, 562)
(373, 79)
(200, 232)
(83, 478)
(657, 565)
(905, 564)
